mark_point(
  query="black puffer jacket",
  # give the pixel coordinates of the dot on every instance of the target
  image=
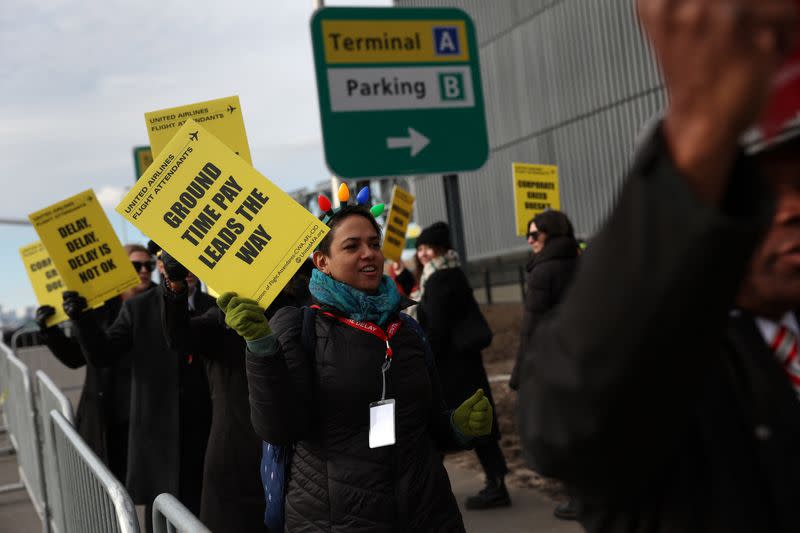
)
(321, 403)
(549, 273)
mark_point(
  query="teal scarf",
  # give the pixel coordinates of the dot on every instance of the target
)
(357, 305)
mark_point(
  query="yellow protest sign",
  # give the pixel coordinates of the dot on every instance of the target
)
(535, 191)
(84, 248)
(394, 238)
(221, 117)
(45, 280)
(227, 223)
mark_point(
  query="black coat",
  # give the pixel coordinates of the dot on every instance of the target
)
(170, 404)
(104, 406)
(548, 274)
(446, 301)
(321, 403)
(233, 497)
(661, 410)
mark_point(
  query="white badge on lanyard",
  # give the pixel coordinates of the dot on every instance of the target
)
(381, 414)
(381, 423)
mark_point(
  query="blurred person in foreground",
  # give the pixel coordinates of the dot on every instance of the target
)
(104, 406)
(170, 406)
(664, 387)
(549, 272)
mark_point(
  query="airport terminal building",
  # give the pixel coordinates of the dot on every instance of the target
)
(583, 84)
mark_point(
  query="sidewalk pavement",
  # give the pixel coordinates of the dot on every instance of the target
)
(17, 514)
(530, 511)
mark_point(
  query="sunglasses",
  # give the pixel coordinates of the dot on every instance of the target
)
(149, 265)
(533, 235)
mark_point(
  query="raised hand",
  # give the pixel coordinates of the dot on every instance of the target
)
(474, 417)
(244, 316)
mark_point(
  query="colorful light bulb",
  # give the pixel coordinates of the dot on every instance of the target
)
(363, 196)
(376, 210)
(324, 203)
(344, 193)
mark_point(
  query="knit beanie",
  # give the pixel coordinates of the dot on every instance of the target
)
(437, 234)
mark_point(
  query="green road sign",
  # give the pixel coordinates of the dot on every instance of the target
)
(399, 91)
(142, 158)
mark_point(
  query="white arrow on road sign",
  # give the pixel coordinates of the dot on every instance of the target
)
(415, 140)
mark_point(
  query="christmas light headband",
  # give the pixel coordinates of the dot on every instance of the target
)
(362, 198)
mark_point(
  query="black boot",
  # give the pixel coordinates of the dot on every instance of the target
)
(494, 495)
(567, 510)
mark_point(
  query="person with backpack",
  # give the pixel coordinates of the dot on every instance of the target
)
(360, 409)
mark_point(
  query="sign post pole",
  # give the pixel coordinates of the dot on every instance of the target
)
(452, 197)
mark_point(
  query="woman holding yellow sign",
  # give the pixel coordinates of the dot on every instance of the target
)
(354, 390)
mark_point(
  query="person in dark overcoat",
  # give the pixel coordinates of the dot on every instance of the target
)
(233, 497)
(447, 311)
(103, 410)
(342, 477)
(170, 401)
(549, 272)
(664, 387)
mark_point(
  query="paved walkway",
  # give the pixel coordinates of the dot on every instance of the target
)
(531, 512)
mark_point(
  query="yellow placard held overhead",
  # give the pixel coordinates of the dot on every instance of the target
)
(535, 191)
(221, 117)
(45, 280)
(84, 248)
(227, 223)
(394, 238)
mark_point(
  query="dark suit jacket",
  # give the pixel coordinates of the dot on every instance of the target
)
(105, 397)
(161, 384)
(642, 393)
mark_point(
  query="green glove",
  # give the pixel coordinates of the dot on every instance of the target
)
(244, 316)
(474, 417)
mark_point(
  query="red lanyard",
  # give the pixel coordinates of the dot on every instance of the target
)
(372, 329)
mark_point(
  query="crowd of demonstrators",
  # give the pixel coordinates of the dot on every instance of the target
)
(549, 273)
(664, 388)
(457, 332)
(314, 383)
(103, 413)
(232, 499)
(170, 407)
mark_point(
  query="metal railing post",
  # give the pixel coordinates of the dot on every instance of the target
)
(170, 515)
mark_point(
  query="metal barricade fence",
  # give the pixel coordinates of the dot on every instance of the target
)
(8, 450)
(171, 516)
(20, 410)
(51, 398)
(93, 499)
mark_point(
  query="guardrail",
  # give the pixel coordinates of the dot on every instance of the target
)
(20, 411)
(92, 498)
(71, 489)
(50, 398)
(171, 516)
(8, 450)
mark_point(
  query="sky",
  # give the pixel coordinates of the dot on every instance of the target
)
(76, 78)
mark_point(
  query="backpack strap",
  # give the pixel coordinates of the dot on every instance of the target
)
(409, 321)
(308, 332)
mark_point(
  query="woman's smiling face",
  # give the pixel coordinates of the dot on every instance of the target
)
(355, 255)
